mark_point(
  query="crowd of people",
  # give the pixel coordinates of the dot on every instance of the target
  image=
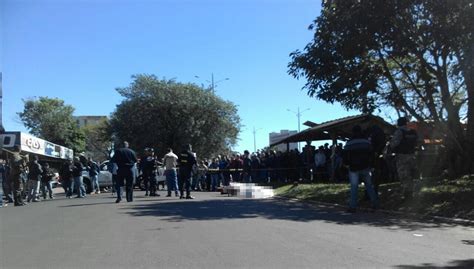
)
(26, 179)
(358, 160)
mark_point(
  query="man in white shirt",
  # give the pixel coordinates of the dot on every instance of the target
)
(170, 161)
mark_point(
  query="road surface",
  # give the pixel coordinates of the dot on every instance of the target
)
(215, 231)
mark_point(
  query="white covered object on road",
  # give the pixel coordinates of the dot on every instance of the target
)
(248, 190)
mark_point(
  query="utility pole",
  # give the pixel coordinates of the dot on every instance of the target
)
(254, 139)
(298, 115)
(2, 129)
(213, 84)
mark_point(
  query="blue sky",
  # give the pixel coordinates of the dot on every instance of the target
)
(80, 51)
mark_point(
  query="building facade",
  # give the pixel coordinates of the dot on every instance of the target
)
(84, 121)
(275, 137)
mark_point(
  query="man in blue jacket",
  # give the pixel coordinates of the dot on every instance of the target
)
(358, 155)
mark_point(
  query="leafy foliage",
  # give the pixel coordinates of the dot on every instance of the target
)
(415, 57)
(52, 120)
(164, 113)
(98, 140)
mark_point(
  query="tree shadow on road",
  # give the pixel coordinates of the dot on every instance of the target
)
(230, 208)
(88, 204)
(452, 264)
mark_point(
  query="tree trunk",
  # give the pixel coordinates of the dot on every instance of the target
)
(469, 80)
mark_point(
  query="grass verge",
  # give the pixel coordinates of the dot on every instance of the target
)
(452, 199)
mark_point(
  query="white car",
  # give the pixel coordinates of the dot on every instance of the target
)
(105, 178)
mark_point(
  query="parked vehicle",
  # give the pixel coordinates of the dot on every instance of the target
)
(105, 178)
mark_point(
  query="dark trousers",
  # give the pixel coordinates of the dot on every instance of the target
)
(17, 195)
(46, 188)
(150, 183)
(68, 185)
(185, 184)
(125, 177)
(7, 189)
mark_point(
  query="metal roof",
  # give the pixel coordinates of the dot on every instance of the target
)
(340, 128)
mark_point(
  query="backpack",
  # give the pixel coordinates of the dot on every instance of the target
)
(408, 143)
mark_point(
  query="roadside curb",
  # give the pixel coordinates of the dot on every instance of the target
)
(388, 212)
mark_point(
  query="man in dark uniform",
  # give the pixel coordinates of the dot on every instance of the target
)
(186, 160)
(149, 166)
(125, 159)
(403, 144)
(17, 167)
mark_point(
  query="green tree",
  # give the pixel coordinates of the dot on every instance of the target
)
(52, 120)
(164, 113)
(98, 140)
(412, 56)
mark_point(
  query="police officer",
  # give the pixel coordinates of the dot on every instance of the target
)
(125, 159)
(17, 167)
(186, 161)
(403, 144)
(149, 166)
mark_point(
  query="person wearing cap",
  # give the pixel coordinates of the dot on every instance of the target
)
(126, 160)
(186, 161)
(403, 144)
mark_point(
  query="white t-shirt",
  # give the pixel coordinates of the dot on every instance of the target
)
(170, 160)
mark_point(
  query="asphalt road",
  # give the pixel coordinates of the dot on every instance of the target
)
(215, 231)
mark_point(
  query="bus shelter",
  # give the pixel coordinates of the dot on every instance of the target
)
(338, 129)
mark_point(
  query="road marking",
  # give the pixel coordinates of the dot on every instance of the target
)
(418, 235)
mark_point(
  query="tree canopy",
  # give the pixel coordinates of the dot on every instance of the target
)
(98, 140)
(415, 57)
(163, 113)
(52, 120)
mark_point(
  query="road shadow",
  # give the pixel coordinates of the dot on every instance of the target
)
(88, 204)
(222, 208)
(452, 264)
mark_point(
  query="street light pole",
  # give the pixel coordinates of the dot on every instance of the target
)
(254, 139)
(298, 114)
(1, 105)
(213, 84)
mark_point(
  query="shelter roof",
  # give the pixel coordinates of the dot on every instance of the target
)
(338, 128)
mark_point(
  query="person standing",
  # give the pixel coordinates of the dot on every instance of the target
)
(65, 174)
(171, 161)
(148, 167)
(2, 183)
(34, 177)
(46, 178)
(17, 168)
(77, 168)
(214, 171)
(247, 167)
(94, 171)
(358, 155)
(186, 161)
(320, 164)
(403, 144)
(125, 159)
(6, 181)
(112, 168)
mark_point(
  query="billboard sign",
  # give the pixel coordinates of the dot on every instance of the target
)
(35, 145)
